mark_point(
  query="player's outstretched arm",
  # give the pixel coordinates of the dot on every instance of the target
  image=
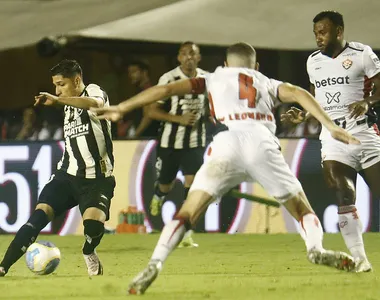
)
(289, 93)
(79, 102)
(146, 97)
(156, 93)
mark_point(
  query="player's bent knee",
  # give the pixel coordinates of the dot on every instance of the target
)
(186, 218)
(195, 205)
(49, 211)
(96, 214)
(298, 205)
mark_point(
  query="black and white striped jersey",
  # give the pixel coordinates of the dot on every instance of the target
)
(174, 135)
(88, 144)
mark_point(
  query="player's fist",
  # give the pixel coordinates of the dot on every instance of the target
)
(45, 99)
(343, 136)
(188, 119)
(293, 115)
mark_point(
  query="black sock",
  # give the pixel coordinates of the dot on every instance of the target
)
(93, 232)
(158, 192)
(26, 236)
(186, 192)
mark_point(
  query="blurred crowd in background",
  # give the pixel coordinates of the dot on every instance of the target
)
(45, 123)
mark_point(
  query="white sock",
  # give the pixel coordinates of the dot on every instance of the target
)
(311, 232)
(188, 233)
(171, 236)
(351, 229)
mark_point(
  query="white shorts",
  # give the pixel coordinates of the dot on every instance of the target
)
(358, 157)
(241, 156)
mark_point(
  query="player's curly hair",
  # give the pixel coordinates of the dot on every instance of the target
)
(67, 68)
(335, 17)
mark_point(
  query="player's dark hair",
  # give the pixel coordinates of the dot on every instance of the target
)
(241, 49)
(67, 68)
(187, 43)
(335, 17)
(139, 63)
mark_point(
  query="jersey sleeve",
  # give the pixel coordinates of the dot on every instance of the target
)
(94, 91)
(371, 62)
(273, 85)
(308, 69)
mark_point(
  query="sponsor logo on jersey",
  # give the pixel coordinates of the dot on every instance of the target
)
(75, 128)
(347, 63)
(332, 81)
(333, 97)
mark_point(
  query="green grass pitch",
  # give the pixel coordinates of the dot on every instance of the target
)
(223, 267)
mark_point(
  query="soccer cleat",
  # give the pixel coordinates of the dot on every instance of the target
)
(362, 266)
(188, 242)
(335, 259)
(94, 266)
(2, 272)
(145, 278)
(155, 205)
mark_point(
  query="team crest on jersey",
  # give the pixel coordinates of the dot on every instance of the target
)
(347, 64)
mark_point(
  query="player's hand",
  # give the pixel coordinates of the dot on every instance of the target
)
(343, 136)
(45, 99)
(112, 113)
(358, 109)
(293, 115)
(188, 119)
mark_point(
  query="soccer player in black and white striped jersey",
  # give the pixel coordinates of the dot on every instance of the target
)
(84, 174)
(182, 137)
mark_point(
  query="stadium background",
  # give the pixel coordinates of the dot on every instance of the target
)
(24, 168)
(151, 31)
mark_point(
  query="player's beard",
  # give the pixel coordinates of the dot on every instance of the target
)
(330, 49)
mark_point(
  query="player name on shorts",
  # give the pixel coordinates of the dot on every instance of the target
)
(73, 129)
(247, 115)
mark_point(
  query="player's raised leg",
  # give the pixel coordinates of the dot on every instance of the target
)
(26, 236)
(54, 199)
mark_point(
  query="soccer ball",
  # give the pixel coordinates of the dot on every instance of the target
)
(42, 257)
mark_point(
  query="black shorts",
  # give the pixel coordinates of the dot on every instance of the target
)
(170, 161)
(65, 191)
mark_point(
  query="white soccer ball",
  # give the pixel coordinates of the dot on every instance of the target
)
(42, 257)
